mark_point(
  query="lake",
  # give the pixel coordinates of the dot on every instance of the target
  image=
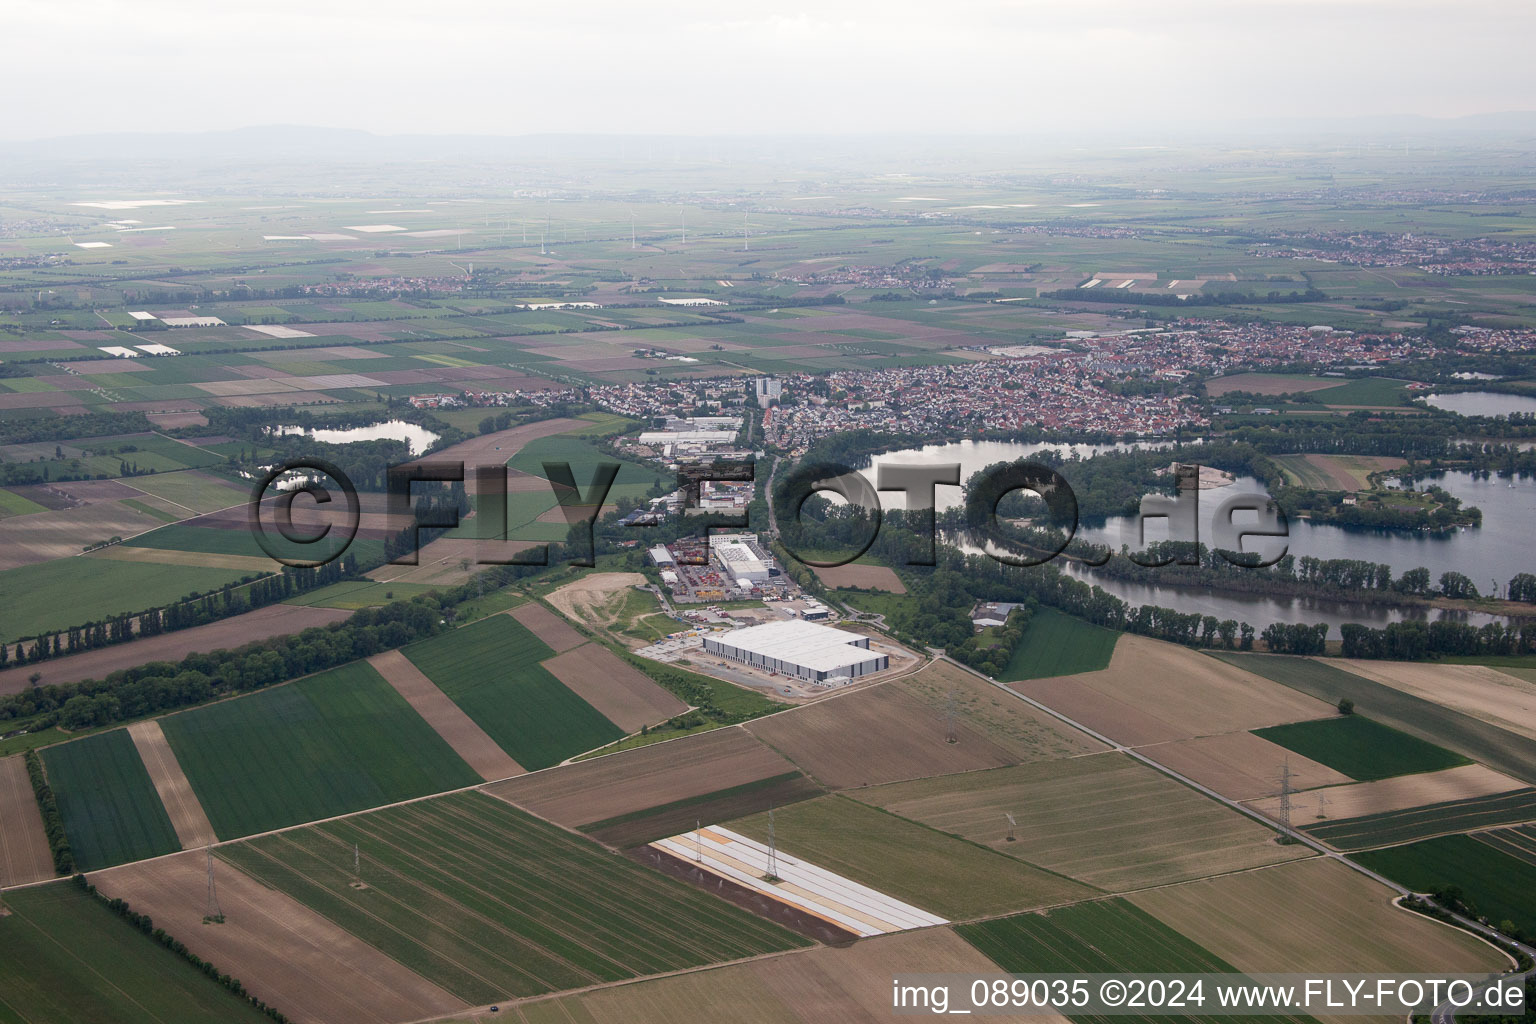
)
(1482, 403)
(418, 438)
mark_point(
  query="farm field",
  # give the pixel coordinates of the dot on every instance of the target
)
(492, 903)
(13, 504)
(192, 490)
(1499, 749)
(1103, 819)
(24, 852)
(635, 781)
(1335, 472)
(669, 819)
(1241, 765)
(1361, 748)
(26, 541)
(336, 742)
(1394, 827)
(619, 692)
(861, 577)
(527, 711)
(1153, 692)
(187, 818)
(1270, 384)
(1055, 644)
(889, 734)
(273, 620)
(110, 808)
(351, 595)
(1393, 794)
(909, 861)
(995, 713)
(73, 591)
(1485, 693)
(1495, 884)
(801, 988)
(64, 959)
(445, 717)
(285, 953)
(1102, 937)
(547, 626)
(1312, 915)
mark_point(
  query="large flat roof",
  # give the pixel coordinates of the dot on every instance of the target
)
(819, 648)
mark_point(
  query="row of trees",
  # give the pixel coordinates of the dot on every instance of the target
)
(1414, 640)
(53, 822)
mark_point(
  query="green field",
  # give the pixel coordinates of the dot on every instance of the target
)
(354, 594)
(340, 741)
(912, 862)
(1394, 827)
(196, 491)
(1361, 748)
(66, 959)
(72, 591)
(111, 811)
(492, 903)
(13, 504)
(1364, 391)
(1056, 644)
(491, 669)
(1497, 748)
(1496, 885)
(1108, 936)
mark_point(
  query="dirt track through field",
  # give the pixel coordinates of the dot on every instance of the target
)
(467, 739)
(24, 853)
(186, 812)
(548, 627)
(283, 952)
(622, 693)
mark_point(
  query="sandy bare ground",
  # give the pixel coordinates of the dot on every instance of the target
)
(866, 577)
(24, 853)
(203, 559)
(273, 620)
(1486, 693)
(622, 693)
(1401, 793)
(584, 599)
(548, 626)
(467, 739)
(1153, 692)
(284, 953)
(1241, 766)
(186, 813)
(890, 734)
(1312, 915)
(44, 536)
(634, 780)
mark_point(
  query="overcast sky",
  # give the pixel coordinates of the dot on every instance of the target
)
(689, 67)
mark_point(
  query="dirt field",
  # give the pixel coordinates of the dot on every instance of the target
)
(1395, 794)
(1103, 819)
(24, 853)
(187, 815)
(1337, 472)
(634, 780)
(1486, 693)
(808, 987)
(1030, 734)
(623, 694)
(1154, 692)
(865, 577)
(888, 734)
(273, 620)
(1269, 384)
(1241, 766)
(466, 738)
(44, 536)
(496, 448)
(548, 626)
(1315, 915)
(593, 599)
(283, 952)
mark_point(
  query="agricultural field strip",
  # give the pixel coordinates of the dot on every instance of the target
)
(111, 810)
(860, 909)
(607, 922)
(1394, 828)
(450, 722)
(187, 815)
(1397, 793)
(1518, 842)
(24, 852)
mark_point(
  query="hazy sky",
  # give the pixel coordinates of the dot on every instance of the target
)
(718, 67)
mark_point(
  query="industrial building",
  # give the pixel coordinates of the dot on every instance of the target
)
(801, 649)
(739, 559)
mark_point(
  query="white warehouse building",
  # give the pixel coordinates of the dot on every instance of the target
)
(802, 649)
(738, 559)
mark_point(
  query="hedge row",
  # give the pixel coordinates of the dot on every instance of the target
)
(53, 823)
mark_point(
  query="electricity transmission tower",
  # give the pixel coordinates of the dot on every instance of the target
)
(214, 915)
(773, 852)
(950, 711)
(1285, 794)
(1012, 825)
(1322, 805)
